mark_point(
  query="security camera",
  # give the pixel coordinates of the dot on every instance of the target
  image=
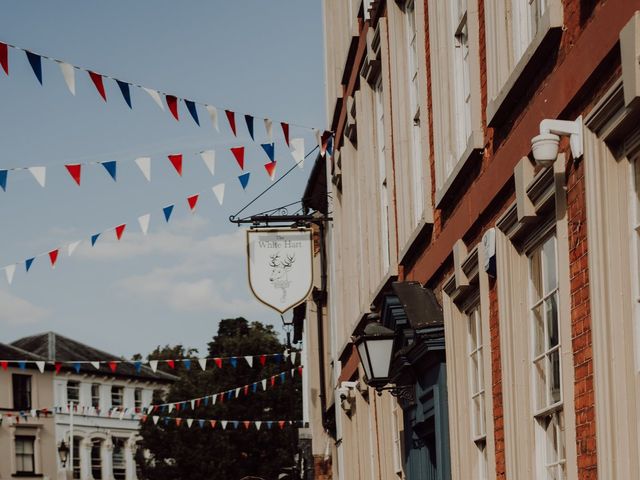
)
(346, 392)
(545, 146)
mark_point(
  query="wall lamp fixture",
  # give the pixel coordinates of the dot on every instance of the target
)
(545, 146)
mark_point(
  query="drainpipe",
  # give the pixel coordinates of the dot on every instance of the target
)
(319, 296)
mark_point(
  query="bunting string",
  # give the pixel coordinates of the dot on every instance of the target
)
(187, 363)
(172, 101)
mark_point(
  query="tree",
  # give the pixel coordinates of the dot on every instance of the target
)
(182, 453)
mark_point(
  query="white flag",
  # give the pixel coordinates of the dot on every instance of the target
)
(154, 365)
(40, 366)
(297, 150)
(9, 270)
(209, 159)
(155, 419)
(268, 126)
(96, 365)
(69, 74)
(218, 191)
(203, 363)
(193, 404)
(258, 424)
(72, 247)
(39, 173)
(238, 392)
(171, 407)
(213, 113)
(249, 359)
(293, 357)
(189, 422)
(224, 424)
(145, 166)
(318, 137)
(264, 384)
(213, 399)
(143, 220)
(155, 95)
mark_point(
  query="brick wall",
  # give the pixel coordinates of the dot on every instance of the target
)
(321, 468)
(496, 375)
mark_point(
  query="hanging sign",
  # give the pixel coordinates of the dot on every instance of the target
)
(280, 263)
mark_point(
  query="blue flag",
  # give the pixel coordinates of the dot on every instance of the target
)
(201, 423)
(110, 167)
(233, 361)
(36, 64)
(269, 149)
(138, 366)
(277, 358)
(249, 120)
(3, 180)
(94, 239)
(28, 262)
(167, 212)
(187, 364)
(22, 364)
(76, 367)
(235, 424)
(244, 180)
(124, 88)
(192, 110)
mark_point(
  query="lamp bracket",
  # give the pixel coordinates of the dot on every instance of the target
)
(402, 392)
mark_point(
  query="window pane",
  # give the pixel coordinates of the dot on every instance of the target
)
(540, 383)
(554, 358)
(96, 459)
(551, 308)
(538, 331)
(536, 277)
(549, 256)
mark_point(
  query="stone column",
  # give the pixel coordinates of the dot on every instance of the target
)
(107, 459)
(85, 459)
(129, 452)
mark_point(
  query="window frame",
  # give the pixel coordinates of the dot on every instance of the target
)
(96, 442)
(18, 454)
(95, 398)
(120, 465)
(137, 397)
(73, 385)
(28, 394)
(114, 389)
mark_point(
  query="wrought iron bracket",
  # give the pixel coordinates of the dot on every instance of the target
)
(279, 216)
(401, 392)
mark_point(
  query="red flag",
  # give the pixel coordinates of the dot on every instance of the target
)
(74, 170)
(221, 395)
(4, 365)
(281, 424)
(53, 256)
(192, 200)
(218, 362)
(4, 57)
(246, 423)
(113, 366)
(324, 141)
(263, 360)
(171, 364)
(57, 366)
(232, 121)
(178, 422)
(120, 230)
(176, 161)
(271, 168)
(238, 152)
(178, 406)
(285, 131)
(273, 381)
(143, 418)
(96, 78)
(197, 402)
(213, 423)
(172, 103)
(300, 370)
(246, 390)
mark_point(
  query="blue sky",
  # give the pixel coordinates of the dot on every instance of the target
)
(173, 285)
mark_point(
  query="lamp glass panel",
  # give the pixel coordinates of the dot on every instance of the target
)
(364, 359)
(380, 356)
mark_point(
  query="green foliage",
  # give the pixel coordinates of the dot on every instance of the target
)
(182, 453)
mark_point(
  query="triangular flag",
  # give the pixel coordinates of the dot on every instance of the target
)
(191, 106)
(126, 94)
(244, 179)
(218, 191)
(285, 132)
(192, 201)
(249, 120)
(76, 367)
(213, 399)
(277, 358)
(254, 387)
(246, 424)
(4, 57)
(113, 366)
(53, 256)
(264, 384)
(167, 212)
(171, 364)
(9, 270)
(120, 230)
(72, 247)
(297, 150)
(318, 137)
(171, 407)
(209, 159)
(39, 173)
(187, 365)
(176, 161)
(172, 103)
(213, 423)
(96, 365)
(245, 390)
(258, 424)
(138, 366)
(110, 167)
(281, 424)
(96, 78)
(36, 64)
(269, 424)
(213, 113)
(249, 359)
(237, 392)
(231, 117)
(40, 365)
(293, 357)
(178, 422)
(154, 365)
(269, 149)
(300, 370)
(273, 381)
(5, 365)
(268, 127)
(155, 419)
(3, 179)
(22, 365)
(234, 362)
(57, 366)
(143, 220)
(271, 169)
(69, 74)
(238, 153)
(201, 423)
(94, 238)
(224, 424)
(75, 170)
(189, 422)
(28, 262)
(218, 362)
(155, 96)
(144, 163)
(263, 360)
(203, 363)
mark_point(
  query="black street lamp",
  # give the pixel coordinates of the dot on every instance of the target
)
(375, 349)
(63, 452)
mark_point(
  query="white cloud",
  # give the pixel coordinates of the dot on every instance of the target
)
(17, 311)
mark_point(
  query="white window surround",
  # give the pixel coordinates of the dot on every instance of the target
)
(452, 152)
(503, 70)
(20, 430)
(515, 240)
(465, 296)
